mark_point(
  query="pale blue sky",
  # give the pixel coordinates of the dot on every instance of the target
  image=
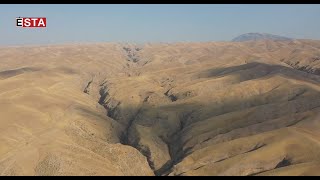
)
(156, 23)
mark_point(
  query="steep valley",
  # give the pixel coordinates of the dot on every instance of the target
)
(179, 109)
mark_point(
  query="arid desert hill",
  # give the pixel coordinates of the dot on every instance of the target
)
(215, 108)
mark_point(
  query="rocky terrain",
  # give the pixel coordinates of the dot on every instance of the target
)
(216, 108)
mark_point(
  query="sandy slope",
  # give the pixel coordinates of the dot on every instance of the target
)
(49, 126)
(218, 108)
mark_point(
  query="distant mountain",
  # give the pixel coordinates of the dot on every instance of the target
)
(259, 36)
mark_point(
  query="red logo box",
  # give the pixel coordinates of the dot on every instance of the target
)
(29, 22)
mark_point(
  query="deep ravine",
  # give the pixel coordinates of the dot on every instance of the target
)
(176, 153)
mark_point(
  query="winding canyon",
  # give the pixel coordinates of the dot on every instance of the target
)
(209, 108)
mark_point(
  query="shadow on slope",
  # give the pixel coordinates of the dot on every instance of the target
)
(15, 72)
(244, 72)
(264, 107)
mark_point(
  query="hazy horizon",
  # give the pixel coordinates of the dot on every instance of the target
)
(67, 24)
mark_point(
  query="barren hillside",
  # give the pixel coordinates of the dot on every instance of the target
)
(216, 108)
